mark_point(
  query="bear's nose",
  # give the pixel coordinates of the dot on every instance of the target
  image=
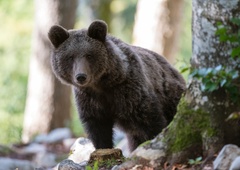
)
(81, 78)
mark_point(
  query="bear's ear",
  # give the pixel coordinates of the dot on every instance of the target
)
(57, 35)
(98, 30)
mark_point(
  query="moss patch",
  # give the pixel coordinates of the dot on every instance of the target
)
(145, 143)
(187, 127)
(105, 158)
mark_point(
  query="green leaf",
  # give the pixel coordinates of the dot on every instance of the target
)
(236, 21)
(194, 73)
(235, 52)
(210, 87)
(235, 75)
(184, 69)
(233, 38)
(198, 159)
(223, 38)
(191, 161)
(202, 72)
(223, 82)
(221, 31)
(218, 68)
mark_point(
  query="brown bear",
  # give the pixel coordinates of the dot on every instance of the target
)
(115, 84)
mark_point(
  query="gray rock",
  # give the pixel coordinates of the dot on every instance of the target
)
(32, 148)
(12, 164)
(69, 165)
(45, 159)
(151, 150)
(235, 164)
(226, 156)
(54, 136)
(81, 150)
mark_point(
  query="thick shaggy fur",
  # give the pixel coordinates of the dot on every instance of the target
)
(129, 87)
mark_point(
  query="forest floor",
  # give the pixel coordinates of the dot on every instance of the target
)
(19, 151)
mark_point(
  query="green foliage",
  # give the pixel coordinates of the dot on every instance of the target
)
(15, 41)
(11, 128)
(218, 77)
(196, 161)
(214, 78)
(95, 166)
(106, 164)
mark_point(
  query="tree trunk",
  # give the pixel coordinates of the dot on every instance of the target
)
(48, 101)
(207, 130)
(200, 128)
(158, 25)
(209, 52)
(101, 9)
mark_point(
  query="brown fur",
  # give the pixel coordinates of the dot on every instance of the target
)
(116, 84)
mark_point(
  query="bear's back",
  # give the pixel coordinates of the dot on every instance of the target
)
(155, 74)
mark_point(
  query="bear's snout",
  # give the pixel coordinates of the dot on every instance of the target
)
(81, 78)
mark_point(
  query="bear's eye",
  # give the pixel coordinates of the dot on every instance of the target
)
(88, 56)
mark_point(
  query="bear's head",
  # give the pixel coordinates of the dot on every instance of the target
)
(80, 56)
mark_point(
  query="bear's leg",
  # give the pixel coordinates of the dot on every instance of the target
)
(100, 132)
(141, 136)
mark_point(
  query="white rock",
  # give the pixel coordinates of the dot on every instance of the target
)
(226, 157)
(149, 154)
(81, 150)
(151, 151)
(13, 164)
(235, 164)
(67, 143)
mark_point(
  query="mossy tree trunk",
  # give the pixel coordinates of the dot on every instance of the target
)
(48, 101)
(200, 125)
(200, 128)
(158, 26)
(209, 52)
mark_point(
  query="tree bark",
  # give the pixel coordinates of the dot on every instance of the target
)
(209, 52)
(48, 101)
(158, 25)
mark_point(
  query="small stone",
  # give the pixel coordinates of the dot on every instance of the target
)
(235, 164)
(226, 157)
(69, 165)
